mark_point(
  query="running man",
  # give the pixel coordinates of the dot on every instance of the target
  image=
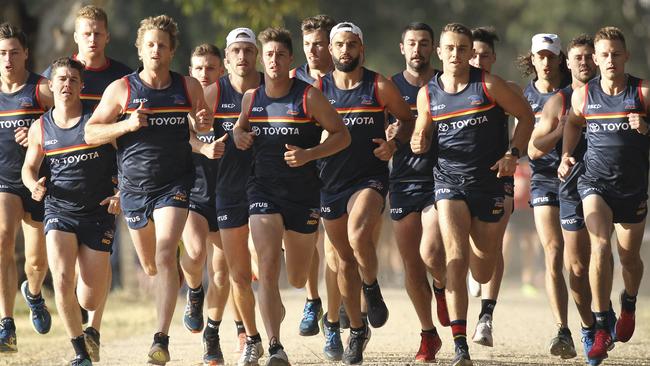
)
(484, 58)
(544, 139)
(355, 180)
(155, 159)
(465, 106)
(224, 98)
(201, 239)
(283, 121)
(91, 36)
(614, 184)
(315, 43)
(546, 62)
(24, 96)
(80, 203)
(415, 220)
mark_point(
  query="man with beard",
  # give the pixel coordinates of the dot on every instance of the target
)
(154, 158)
(225, 99)
(411, 192)
(614, 184)
(466, 106)
(355, 179)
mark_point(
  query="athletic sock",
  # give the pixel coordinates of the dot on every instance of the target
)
(487, 307)
(212, 329)
(431, 331)
(315, 301)
(438, 291)
(240, 327)
(79, 346)
(601, 319)
(197, 290)
(628, 303)
(255, 338)
(459, 331)
(329, 324)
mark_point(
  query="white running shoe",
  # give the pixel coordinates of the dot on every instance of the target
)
(483, 332)
(251, 354)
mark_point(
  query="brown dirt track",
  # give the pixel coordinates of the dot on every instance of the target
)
(523, 327)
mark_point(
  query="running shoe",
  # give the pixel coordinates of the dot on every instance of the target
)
(91, 337)
(193, 317)
(333, 348)
(212, 355)
(81, 361)
(8, 336)
(562, 344)
(483, 332)
(357, 343)
(587, 343)
(429, 345)
(377, 310)
(625, 324)
(41, 319)
(277, 356)
(461, 357)
(251, 354)
(311, 314)
(159, 352)
(602, 342)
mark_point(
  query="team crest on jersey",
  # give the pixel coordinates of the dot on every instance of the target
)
(366, 100)
(178, 99)
(292, 110)
(475, 100)
(26, 102)
(629, 103)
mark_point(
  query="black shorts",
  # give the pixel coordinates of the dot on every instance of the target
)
(206, 210)
(34, 208)
(544, 193)
(571, 214)
(408, 197)
(296, 218)
(138, 207)
(95, 232)
(335, 205)
(486, 206)
(625, 210)
(232, 210)
(508, 186)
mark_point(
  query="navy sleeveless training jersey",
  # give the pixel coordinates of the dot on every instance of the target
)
(155, 156)
(302, 72)
(617, 155)
(97, 80)
(470, 129)
(407, 166)
(280, 121)
(17, 109)
(235, 164)
(205, 172)
(544, 168)
(363, 115)
(80, 174)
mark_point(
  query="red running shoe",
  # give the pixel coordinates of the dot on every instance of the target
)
(429, 345)
(625, 326)
(602, 342)
(441, 309)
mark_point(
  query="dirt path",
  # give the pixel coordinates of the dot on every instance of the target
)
(523, 327)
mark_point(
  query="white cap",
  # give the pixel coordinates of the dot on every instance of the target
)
(241, 35)
(346, 27)
(546, 41)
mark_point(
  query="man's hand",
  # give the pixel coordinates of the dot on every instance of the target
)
(20, 135)
(419, 143)
(385, 149)
(215, 149)
(138, 118)
(113, 203)
(638, 123)
(203, 120)
(296, 156)
(39, 190)
(565, 167)
(505, 166)
(243, 138)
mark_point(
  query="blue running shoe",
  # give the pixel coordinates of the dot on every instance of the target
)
(212, 354)
(587, 342)
(41, 319)
(193, 317)
(333, 349)
(8, 336)
(311, 314)
(81, 361)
